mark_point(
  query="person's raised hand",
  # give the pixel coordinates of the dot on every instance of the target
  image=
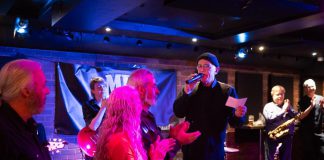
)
(286, 106)
(188, 88)
(104, 103)
(240, 111)
(179, 132)
(313, 101)
(321, 103)
(159, 148)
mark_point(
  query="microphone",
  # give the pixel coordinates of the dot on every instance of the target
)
(195, 78)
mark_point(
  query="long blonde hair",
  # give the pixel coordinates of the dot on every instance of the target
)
(124, 109)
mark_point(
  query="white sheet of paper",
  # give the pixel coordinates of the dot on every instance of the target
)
(234, 102)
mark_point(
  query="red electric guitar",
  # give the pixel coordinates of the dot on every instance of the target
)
(87, 140)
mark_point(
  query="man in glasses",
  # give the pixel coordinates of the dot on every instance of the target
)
(94, 109)
(202, 102)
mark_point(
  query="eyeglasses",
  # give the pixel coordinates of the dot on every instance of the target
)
(203, 66)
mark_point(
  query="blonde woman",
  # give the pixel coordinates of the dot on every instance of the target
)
(119, 135)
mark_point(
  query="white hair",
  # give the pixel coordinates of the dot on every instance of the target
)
(277, 87)
(309, 82)
(15, 76)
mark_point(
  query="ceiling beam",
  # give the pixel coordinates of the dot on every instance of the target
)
(277, 29)
(90, 15)
(61, 8)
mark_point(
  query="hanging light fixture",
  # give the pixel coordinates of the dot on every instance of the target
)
(241, 54)
(21, 27)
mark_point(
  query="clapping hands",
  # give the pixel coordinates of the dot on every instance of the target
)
(179, 132)
(286, 105)
(159, 148)
(321, 102)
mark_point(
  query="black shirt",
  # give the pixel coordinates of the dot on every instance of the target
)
(205, 109)
(313, 122)
(90, 109)
(18, 139)
(150, 130)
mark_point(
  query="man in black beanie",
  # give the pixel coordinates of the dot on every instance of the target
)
(202, 102)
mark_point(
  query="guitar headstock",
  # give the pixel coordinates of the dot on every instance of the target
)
(54, 144)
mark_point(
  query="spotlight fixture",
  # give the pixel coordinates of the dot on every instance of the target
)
(107, 29)
(106, 39)
(139, 43)
(241, 54)
(314, 54)
(194, 40)
(261, 48)
(242, 37)
(21, 27)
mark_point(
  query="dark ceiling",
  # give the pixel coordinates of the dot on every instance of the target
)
(290, 30)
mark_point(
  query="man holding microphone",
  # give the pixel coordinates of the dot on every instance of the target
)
(203, 104)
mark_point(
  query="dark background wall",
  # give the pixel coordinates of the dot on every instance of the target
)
(250, 85)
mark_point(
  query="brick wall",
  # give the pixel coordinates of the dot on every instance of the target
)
(48, 58)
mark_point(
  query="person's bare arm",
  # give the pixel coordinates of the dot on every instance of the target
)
(96, 121)
(308, 109)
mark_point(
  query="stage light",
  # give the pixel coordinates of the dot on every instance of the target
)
(241, 54)
(242, 38)
(314, 54)
(261, 48)
(107, 29)
(194, 40)
(21, 27)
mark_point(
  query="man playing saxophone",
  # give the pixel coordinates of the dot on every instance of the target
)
(277, 113)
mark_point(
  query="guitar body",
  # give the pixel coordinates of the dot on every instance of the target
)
(87, 140)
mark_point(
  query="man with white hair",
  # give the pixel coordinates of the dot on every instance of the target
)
(144, 82)
(311, 128)
(22, 94)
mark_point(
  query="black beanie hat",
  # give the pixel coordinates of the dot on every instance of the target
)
(209, 57)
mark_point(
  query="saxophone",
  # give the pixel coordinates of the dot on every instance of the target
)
(283, 129)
